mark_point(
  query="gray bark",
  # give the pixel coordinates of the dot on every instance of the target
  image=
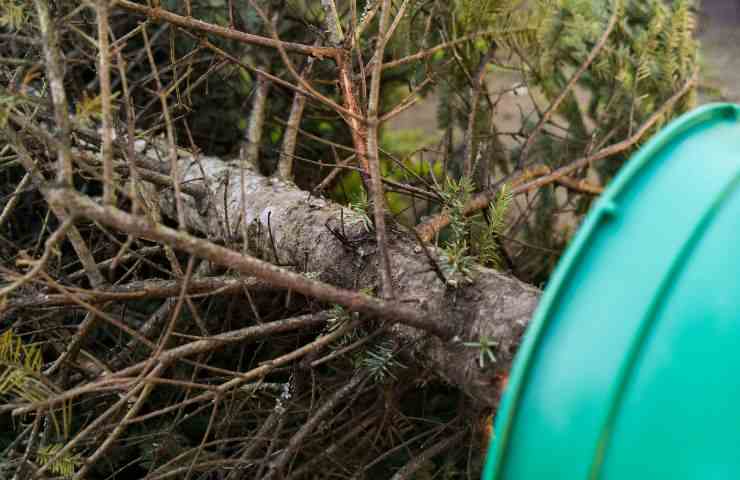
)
(494, 305)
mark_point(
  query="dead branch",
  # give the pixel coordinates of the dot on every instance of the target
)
(195, 24)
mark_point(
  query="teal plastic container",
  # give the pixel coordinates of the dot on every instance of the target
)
(630, 368)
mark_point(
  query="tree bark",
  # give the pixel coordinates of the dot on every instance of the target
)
(494, 305)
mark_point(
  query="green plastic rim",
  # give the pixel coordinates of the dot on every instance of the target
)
(668, 142)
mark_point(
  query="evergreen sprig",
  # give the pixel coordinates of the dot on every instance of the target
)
(21, 376)
(380, 361)
(66, 465)
(489, 241)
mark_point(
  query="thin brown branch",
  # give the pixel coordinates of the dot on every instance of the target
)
(18, 62)
(91, 460)
(288, 63)
(251, 150)
(378, 197)
(24, 464)
(387, 33)
(259, 438)
(394, 186)
(581, 186)
(55, 76)
(50, 245)
(258, 372)
(130, 150)
(428, 229)
(84, 329)
(92, 427)
(12, 201)
(170, 129)
(277, 467)
(615, 148)
(142, 227)
(112, 263)
(317, 138)
(355, 122)
(339, 166)
(95, 310)
(444, 46)
(109, 195)
(396, 21)
(141, 289)
(353, 433)
(73, 234)
(475, 91)
(421, 459)
(149, 169)
(195, 24)
(183, 351)
(302, 87)
(285, 163)
(349, 348)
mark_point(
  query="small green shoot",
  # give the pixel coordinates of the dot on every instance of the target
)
(486, 348)
(360, 206)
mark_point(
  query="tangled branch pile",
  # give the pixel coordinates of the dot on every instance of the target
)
(219, 261)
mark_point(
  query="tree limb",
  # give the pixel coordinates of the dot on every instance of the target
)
(494, 305)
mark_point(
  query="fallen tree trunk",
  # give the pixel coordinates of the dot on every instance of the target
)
(332, 243)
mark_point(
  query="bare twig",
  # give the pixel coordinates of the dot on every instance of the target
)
(475, 91)
(55, 74)
(445, 45)
(93, 426)
(109, 196)
(428, 229)
(334, 172)
(277, 467)
(120, 427)
(259, 438)
(279, 277)
(194, 24)
(582, 186)
(73, 234)
(288, 64)
(420, 459)
(136, 290)
(172, 150)
(258, 372)
(197, 347)
(378, 198)
(14, 197)
(285, 163)
(353, 433)
(303, 86)
(356, 122)
(50, 245)
(251, 149)
(23, 465)
(615, 148)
